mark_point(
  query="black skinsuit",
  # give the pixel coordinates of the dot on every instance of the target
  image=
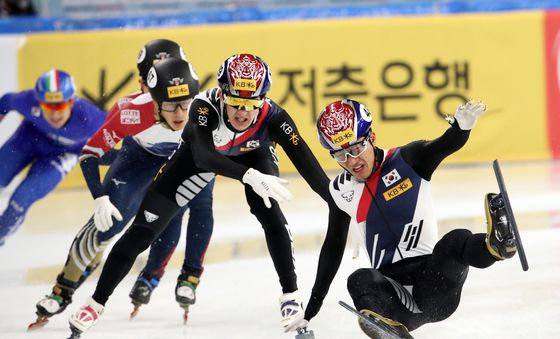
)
(212, 146)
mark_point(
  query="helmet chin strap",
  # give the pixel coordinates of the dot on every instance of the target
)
(377, 158)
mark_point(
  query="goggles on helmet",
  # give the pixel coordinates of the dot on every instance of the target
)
(354, 150)
(243, 103)
(49, 107)
(171, 106)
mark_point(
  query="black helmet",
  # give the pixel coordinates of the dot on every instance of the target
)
(172, 80)
(157, 50)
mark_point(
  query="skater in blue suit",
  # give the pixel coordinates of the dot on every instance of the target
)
(56, 125)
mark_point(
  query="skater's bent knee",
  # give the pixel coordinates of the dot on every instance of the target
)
(455, 239)
(134, 241)
(363, 278)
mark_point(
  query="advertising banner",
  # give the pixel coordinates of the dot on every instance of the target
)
(410, 72)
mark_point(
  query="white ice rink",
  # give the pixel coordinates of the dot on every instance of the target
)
(238, 298)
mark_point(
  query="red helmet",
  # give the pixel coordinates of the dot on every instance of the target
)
(342, 123)
(244, 76)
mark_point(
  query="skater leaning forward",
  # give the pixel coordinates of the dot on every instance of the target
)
(232, 131)
(149, 135)
(414, 279)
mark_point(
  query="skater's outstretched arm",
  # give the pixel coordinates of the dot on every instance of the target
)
(330, 258)
(283, 130)
(426, 155)
(331, 255)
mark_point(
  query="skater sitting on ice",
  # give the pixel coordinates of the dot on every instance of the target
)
(415, 279)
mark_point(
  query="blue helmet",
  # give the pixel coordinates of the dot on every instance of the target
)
(55, 86)
(342, 123)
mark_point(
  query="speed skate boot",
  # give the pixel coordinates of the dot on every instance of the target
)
(185, 292)
(85, 317)
(51, 304)
(500, 239)
(291, 308)
(381, 327)
(141, 292)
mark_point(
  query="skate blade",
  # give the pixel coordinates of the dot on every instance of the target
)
(185, 314)
(134, 312)
(510, 216)
(76, 333)
(375, 328)
(305, 334)
(38, 324)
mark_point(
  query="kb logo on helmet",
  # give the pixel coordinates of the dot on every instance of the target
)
(245, 85)
(177, 91)
(343, 137)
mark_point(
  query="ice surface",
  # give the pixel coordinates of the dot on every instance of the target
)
(239, 298)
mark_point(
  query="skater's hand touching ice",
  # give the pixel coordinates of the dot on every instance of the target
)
(295, 324)
(291, 309)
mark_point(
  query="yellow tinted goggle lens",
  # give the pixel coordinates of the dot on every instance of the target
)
(242, 103)
(54, 107)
